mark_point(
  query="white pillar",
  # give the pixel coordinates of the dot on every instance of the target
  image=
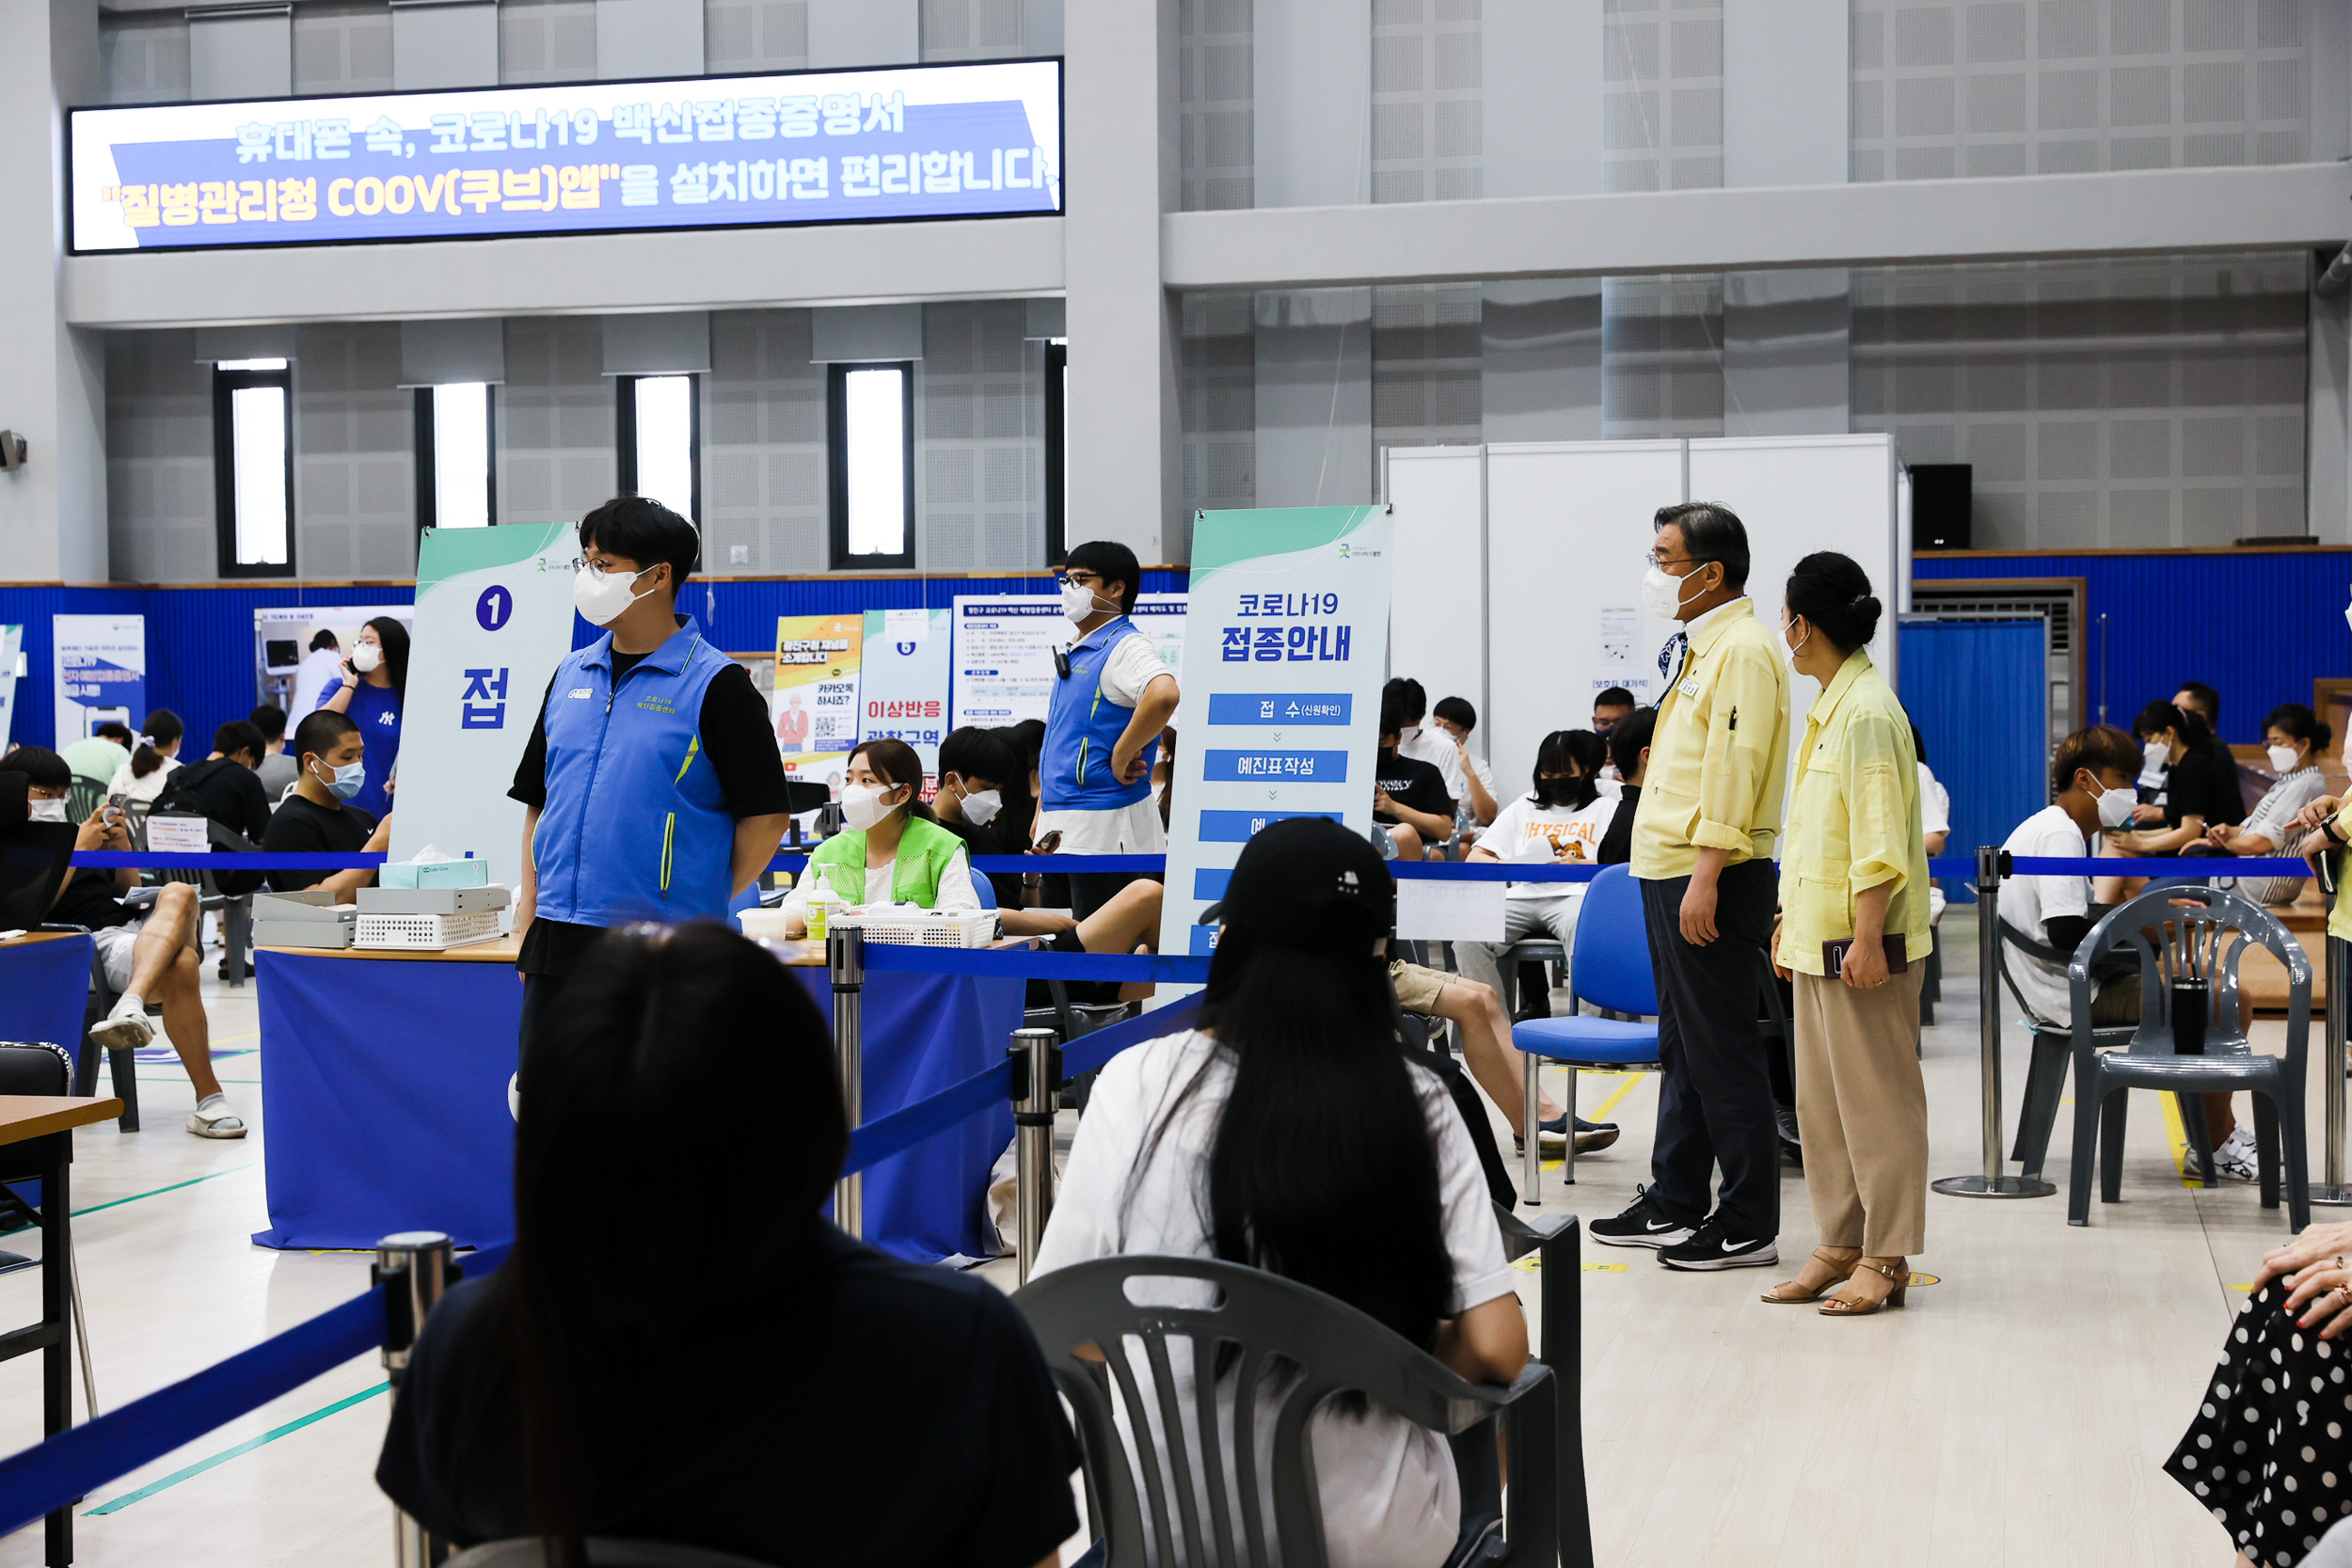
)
(1126, 467)
(53, 379)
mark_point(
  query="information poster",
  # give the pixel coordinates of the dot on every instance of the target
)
(903, 688)
(1005, 645)
(815, 703)
(493, 618)
(1281, 681)
(292, 673)
(100, 673)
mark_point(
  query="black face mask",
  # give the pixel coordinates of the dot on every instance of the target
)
(1388, 755)
(1560, 792)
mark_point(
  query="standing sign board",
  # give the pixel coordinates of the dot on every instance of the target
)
(815, 702)
(1282, 680)
(903, 685)
(102, 673)
(493, 618)
(1005, 643)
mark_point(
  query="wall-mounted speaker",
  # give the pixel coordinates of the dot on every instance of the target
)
(1942, 500)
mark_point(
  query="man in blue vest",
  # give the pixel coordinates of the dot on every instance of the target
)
(1112, 699)
(652, 785)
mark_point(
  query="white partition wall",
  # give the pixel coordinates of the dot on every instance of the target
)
(1568, 526)
(1437, 615)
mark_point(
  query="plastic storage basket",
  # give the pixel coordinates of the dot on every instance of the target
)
(427, 933)
(911, 926)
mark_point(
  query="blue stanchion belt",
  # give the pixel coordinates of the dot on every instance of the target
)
(134, 860)
(1964, 868)
(1021, 964)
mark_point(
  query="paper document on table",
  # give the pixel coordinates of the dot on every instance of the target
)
(1430, 911)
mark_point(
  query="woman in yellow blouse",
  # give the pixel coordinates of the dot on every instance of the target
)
(1855, 874)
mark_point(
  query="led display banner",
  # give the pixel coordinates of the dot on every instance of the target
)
(966, 140)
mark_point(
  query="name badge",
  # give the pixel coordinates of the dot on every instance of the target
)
(579, 691)
(1689, 687)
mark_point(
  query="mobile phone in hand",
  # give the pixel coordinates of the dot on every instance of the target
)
(1050, 842)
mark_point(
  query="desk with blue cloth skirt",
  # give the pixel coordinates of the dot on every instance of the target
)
(384, 1096)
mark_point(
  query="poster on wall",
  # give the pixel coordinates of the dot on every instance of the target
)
(903, 685)
(1004, 645)
(100, 673)
(493, 617)
(814, 701)
(1282, 686)
(287, 671)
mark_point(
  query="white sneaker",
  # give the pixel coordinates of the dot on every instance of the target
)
(119, 1030)
(2235, 1158)
(212, 1118)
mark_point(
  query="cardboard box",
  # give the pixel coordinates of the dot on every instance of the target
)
(427, 874)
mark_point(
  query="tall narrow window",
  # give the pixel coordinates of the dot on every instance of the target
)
(872, 417)
(1057, 451)
(660, 437)
(253, 467)
(456, 485)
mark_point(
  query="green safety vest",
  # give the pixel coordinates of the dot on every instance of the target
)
(924, 852)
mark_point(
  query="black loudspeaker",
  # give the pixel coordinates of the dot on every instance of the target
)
(1942, 499)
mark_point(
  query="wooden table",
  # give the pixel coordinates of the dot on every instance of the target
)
(46, 1123)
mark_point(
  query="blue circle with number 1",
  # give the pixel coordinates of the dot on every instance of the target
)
(494, 608)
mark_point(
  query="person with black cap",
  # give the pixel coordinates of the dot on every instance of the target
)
(1289, 1132)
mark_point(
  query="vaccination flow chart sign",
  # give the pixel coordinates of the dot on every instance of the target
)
(493, 617)
(1282, 680)
(101, 671)
(903, 682)
(972, 140)
(1005, 645)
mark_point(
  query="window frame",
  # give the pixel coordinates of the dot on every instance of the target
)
(625, 430)
(1056, 452)
(226, 383)
(429, 457)
(837, 466)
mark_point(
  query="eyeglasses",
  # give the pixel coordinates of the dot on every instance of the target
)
(604, 569)
(1082, 578)
(1654, 559)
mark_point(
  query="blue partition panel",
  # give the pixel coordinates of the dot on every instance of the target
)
(1979, 690)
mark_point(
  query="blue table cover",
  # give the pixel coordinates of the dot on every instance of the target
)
(384, 1100)
(44, 992)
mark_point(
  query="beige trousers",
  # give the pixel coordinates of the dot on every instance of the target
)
(1862, 1109)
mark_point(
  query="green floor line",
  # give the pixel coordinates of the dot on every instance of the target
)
(118, 1504)
(160, 1191)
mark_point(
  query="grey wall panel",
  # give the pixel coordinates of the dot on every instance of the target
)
(983, 449)
(438, 43)
(557, 428)
(1785, 348)
(1220, 401)
(1540, 363)
(355, 465)
(445, 353)
(1426, 362)
(1215, 51)
(764, 473)
(1314, 398)
(1428, 80)
(663, 342)
(159, 458)
(989, 29)
(546, 40)
(648, 38)
(342, 46)
(755, 35)
(1312, 72)
(143, 56)
(241, 53)
(260, 340)
(1542, 102)
(850, 334)
(843, 33)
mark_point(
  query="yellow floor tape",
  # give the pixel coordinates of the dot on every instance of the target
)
(2179, 1135)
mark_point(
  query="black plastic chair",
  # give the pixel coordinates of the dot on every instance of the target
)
(2184, 930)
(40, 1068)
(1278, 1341)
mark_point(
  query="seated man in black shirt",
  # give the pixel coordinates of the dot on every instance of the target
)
(227, 790)
(316, 818)
(149, 953)
(1409, 796)
(1629, 752)
(776, 1389)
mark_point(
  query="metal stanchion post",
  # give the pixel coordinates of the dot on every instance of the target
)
(1532, 1156)
(845, 958)
(417, 1266)
(1992, 865)
(2334, 1192)
(1036, 1094)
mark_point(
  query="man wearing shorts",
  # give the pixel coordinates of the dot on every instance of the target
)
(1475, 1009)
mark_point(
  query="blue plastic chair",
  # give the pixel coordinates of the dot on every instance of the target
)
(1611, 971)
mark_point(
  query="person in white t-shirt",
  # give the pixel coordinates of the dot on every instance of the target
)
(1936, 818)
(1561, 822)
(319, 667)
(1415, 740)
(1453, 719)
(1196, 1144)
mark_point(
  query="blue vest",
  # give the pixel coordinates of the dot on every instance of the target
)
(636, 826)
(1081, 727)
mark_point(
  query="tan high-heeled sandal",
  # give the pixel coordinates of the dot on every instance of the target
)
(1839, 1307)
(1776, 1299)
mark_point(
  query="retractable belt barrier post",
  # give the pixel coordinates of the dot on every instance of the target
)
(2334, 1193)
(417, 1267)
(1992, 865)
(845, 959)
(1036, 1091)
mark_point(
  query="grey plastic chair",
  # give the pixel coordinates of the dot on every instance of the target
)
(603, 1552)
(2053, 1049)
(1508, 964)
(2200, 931)
(1277, 1340)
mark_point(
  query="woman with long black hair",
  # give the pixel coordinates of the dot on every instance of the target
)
(371, 693)
(704, 1359)
(1559, 821)
(1289, 1132)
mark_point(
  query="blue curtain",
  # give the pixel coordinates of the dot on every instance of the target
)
(1979, 692)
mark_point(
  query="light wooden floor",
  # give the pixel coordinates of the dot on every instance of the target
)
(2017, 1413)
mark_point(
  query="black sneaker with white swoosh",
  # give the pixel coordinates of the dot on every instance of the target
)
(1714, 1246)
(1642, 1224)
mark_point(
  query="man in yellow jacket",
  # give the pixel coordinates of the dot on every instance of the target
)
(1703, 840)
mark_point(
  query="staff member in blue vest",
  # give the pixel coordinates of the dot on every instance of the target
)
(652, 786)
(1112, 699)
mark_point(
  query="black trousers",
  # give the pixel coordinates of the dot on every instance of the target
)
(538, 990)
(1715, 1092)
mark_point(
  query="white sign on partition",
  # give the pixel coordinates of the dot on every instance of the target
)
(903, 682)
(100, 673)
(1283, 682)
(494, 616)
(1005, 645)
(11, 655)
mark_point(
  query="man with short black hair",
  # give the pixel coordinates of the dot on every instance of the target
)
(316, 818)
(1629, 753)
(1453, 718)
(276, 770)
(1610, 709)
(1415, 740)
(225, 788)
(1409, 796)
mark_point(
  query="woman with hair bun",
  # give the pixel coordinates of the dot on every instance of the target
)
(1853, 936)
(2297, 739)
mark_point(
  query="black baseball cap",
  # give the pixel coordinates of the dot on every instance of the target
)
(1307, 882)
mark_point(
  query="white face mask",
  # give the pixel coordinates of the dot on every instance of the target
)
(979, 806)
(366, 656)
(862, 807)
(604, 597)
(1662, 595)
(2284, 759)
(1077, 602)
(2115, 807)
(1792, 653)
(2154, 757)
(47, 810)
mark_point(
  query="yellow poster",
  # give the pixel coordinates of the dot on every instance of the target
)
(814, 704)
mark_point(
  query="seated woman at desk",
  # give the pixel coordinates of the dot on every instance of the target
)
(893, 852)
